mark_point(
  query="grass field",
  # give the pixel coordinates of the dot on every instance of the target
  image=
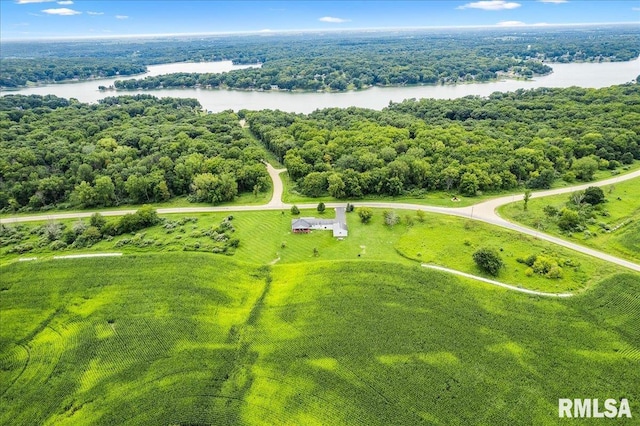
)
(623, 216)
(266, 238)
(195, 338)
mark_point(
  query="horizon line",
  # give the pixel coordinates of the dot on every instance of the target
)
(265, 32)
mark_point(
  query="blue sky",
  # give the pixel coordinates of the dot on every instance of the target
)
(24, 19)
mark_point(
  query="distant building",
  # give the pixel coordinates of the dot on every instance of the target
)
(337, 225)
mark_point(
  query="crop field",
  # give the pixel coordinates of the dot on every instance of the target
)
(615, 230)
(196, 338)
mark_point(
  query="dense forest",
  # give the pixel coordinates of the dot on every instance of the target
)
(322, 61)
(140, 149)
(464, 146)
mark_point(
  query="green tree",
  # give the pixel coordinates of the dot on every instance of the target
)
(594, 195)
(321, 208)
(314, 184)
(295, 210)
(527, 196)
(336, 186)
(105, 191)
(469, 184)
(84, 194)
(488, 260)
(584, 168)
(210, 188)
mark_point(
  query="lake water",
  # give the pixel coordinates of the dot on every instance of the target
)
(590, 75)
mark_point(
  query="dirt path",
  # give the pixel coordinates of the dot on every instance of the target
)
(496, 283)
(278, 186)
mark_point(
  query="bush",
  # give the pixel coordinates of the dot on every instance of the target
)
(145, 217)
(97, 220)
(391, 218)
(89, 237)
(57, 245)
(295, 210)
(594, 195)
(365, 214)
(550, 211)
(488, 260)
(569, 220)
(321, 207)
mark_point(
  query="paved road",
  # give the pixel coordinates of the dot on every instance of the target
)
(484, 211)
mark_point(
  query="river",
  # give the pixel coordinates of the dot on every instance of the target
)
(590, 75)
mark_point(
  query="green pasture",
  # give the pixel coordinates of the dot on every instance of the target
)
(197, 338)
(621, 211)
(266, 238)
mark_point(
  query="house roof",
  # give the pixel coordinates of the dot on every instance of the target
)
(301, 223)
(339, 224)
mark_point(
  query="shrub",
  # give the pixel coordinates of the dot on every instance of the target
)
(550, 211)
(420, 215)
(365, 214)
(391, 218)
(89, 237)
(569, 220)
(295, 210)
(145, 217)
(321, 207)
(594, 195)
(53, 231)
(97, 220)
(488, 260)
(57, 245)
(408, 220)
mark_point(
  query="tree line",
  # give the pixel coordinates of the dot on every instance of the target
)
(132, 149)
(526, 138)
(140, 149)
(337, 61)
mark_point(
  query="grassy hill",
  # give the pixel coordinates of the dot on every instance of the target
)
(194, 338)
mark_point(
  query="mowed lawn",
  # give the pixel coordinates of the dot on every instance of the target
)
(196, 338)
(266, 239)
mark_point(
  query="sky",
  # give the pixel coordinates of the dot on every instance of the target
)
(50, 19)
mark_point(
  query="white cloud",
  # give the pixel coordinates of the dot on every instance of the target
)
(62, 11)
(510, 24)
(95, 13)
(491, 5)
(65, 2)
(122, 17)
(33, 1)
(553, 1)
(333, 20)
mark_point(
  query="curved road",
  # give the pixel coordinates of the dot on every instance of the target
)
(484, 211)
